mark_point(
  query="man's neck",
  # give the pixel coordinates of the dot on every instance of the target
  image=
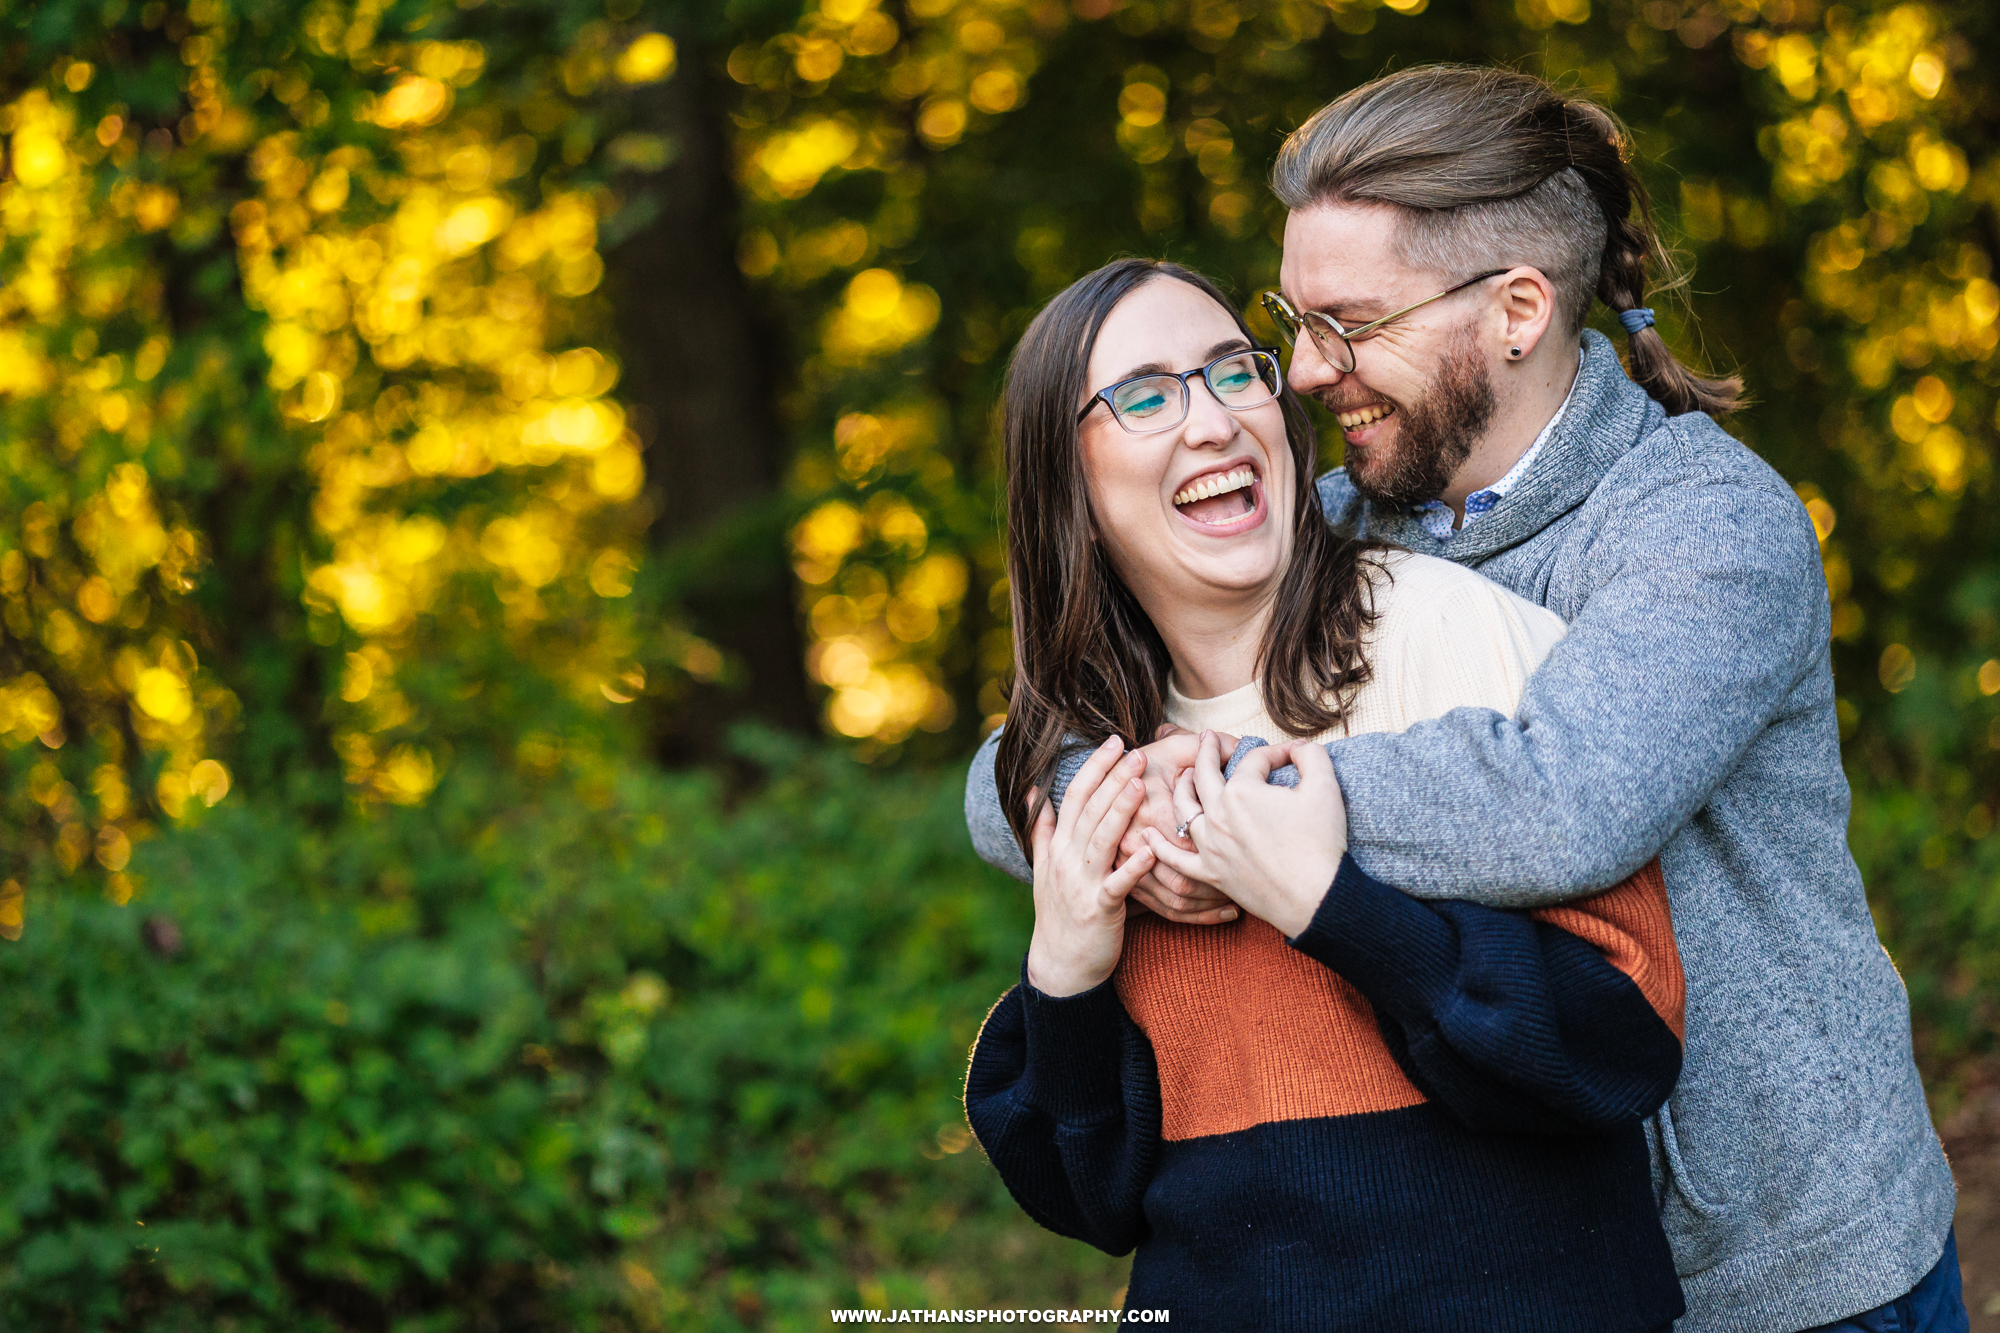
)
(1534, 392)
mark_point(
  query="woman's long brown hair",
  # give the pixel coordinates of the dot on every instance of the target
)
(1088, 662)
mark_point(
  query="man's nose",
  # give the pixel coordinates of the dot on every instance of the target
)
(1310, 369)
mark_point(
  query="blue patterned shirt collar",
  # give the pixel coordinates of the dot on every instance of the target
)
(1436, 515)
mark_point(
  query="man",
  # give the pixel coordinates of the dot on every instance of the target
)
(1449, 231)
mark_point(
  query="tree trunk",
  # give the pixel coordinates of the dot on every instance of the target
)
(705, 369)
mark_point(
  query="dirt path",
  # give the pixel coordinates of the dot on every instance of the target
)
(1972, 1139)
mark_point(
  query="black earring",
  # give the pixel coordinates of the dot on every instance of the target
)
(1514, 352)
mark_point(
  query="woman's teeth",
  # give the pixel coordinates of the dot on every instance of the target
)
(1361, 416)
(1209, 487)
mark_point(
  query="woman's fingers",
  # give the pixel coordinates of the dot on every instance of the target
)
(1208, 780)
(1115, 787)
(1314, 764)
(1187, 805)
(1260, 763)
(1042, 834)
(1087, 782)
(1102, 844)
(1318, 782)
(1187, 863)
(1121, 881)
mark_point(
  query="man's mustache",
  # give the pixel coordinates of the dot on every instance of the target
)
(1335, 401)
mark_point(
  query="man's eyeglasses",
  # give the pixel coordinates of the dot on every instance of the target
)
(1334, 340)
(1146, 404)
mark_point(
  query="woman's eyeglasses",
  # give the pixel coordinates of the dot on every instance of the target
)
(1334, 340)
(1146, 404)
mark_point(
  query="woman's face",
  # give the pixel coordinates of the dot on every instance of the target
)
(1201, 512)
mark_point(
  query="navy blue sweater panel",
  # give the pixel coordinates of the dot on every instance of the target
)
(1064, 1095)
(1405, 1220)
(1513, 1024)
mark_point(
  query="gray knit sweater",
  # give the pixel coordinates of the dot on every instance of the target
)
(1689, 713)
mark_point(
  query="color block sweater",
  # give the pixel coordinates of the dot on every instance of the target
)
(1418, 1116)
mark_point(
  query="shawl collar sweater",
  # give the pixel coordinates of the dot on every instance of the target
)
(1688, 714)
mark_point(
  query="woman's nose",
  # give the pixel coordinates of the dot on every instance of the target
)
(1208, 421)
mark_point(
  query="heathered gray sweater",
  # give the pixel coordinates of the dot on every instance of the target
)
(1689, 713)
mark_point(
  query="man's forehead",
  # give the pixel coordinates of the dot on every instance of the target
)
(1341, 255)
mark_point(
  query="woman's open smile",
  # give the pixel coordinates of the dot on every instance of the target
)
(1223, 500)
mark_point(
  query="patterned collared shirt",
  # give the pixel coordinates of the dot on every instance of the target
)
(1436, 515)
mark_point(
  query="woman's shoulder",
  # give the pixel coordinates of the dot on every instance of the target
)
(1410, 585)
(1451, 637)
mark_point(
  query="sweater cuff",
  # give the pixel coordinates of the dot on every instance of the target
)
(1075, 1047)
(1397, 952)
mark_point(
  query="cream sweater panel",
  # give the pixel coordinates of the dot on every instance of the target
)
(1444, 637)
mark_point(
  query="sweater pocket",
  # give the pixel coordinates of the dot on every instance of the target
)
(1696, 1214)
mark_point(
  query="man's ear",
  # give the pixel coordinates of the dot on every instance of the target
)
(1527, 309)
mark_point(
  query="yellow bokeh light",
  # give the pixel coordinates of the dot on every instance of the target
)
(163, 695)
(647, 60)
(414, 101)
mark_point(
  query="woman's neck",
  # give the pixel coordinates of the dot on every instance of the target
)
(1214, 645)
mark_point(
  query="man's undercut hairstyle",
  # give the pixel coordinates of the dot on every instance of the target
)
(1491, 167)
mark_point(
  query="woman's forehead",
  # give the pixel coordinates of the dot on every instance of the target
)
(1167, 323)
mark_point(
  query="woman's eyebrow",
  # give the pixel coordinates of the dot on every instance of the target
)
(1222, 348)
(1149, 368)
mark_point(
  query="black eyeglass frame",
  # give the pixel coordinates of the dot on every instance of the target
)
(1289, 320)
(1103, 395)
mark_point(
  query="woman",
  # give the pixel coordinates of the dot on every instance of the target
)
(1350, 1109)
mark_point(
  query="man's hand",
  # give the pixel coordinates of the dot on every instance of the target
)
(1274, 849)
(1164, 891)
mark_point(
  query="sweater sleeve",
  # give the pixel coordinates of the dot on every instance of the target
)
(1708, 606)
(1561, 1022)
(1064, 1096)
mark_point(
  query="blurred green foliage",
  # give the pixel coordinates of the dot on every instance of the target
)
(620, 1057)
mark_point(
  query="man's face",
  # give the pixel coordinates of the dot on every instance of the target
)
(1420, 395)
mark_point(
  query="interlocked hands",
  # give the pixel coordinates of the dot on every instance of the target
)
(1273, 850)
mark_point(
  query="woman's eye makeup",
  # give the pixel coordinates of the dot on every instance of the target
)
(1141, 401)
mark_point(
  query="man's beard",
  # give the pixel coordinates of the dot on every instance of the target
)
(1434, 436)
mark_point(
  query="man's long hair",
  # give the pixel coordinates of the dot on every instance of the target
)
(1088, 662)
(1492, 167)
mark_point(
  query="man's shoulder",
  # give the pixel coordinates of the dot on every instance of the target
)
(1691, 454)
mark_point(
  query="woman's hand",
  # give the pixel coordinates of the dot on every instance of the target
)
(1171, 754)
(1274, 850)
(1079, 895)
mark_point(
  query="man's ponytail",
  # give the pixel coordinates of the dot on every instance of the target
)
(1631, 246)
(1492, 166)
